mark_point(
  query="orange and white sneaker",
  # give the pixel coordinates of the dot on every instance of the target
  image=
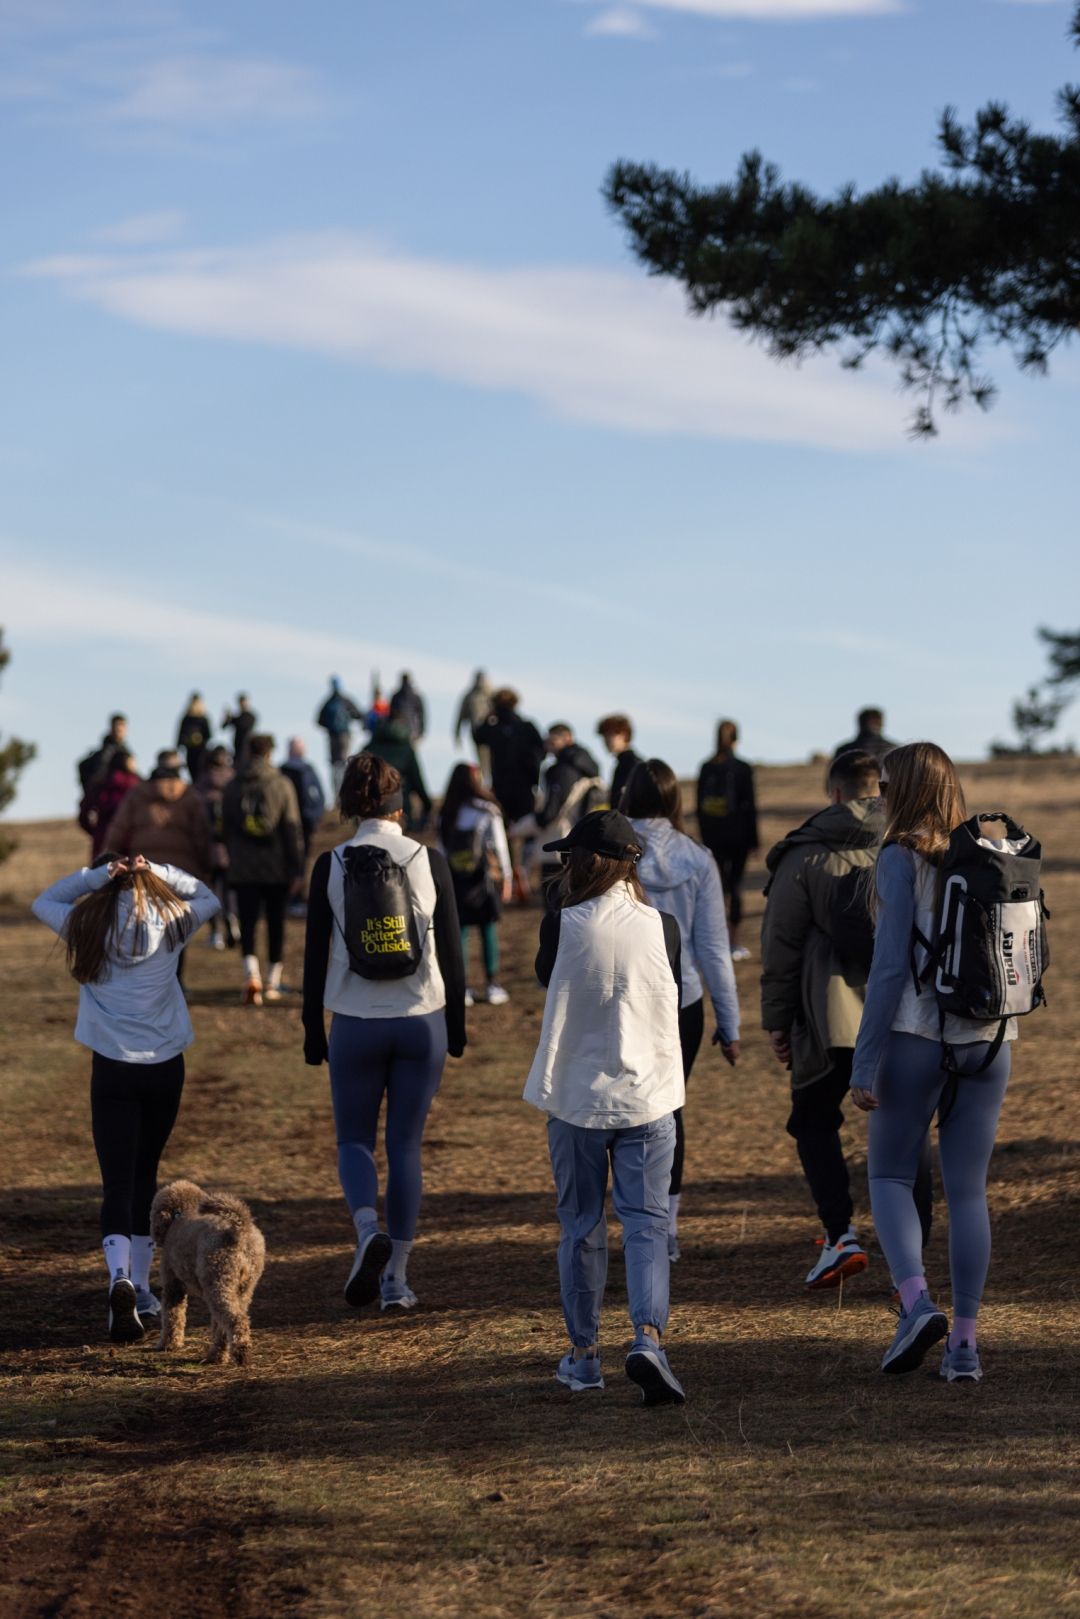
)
(838, 1259)
(253, 995)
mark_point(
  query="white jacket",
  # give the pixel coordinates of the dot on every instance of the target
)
(422, 991)
(609, 1056)
(680, 877)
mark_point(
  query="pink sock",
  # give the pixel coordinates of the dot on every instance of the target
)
(911, 1290)
(963, 1331)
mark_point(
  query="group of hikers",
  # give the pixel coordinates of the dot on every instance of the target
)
(860, 974)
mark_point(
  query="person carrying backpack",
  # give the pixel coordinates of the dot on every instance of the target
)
(816, 943)
(608, 1074)
(958, 922)
(194, 735)
(680, 878)
(104, 796)
(95, 766)
(408, 706)
(265, 841)
(383, 956)
(123, 923)
(571, 788)
(727, 821)
(473, 839)
(336, 717)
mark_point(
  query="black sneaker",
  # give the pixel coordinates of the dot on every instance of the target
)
(124, 1324)
(372, 1255)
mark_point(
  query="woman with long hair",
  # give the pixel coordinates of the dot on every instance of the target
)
(608, 1074)
(193, 735)
(123, 923)
(473, 839)
(898, 1075)
(380, 892)
(682, 878)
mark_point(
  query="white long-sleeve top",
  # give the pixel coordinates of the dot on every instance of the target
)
(136, 1012)
(680, 877)
(493, 837)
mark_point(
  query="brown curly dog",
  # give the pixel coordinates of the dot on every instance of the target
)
(210, 1246)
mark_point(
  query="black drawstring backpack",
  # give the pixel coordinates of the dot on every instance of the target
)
(381, 932)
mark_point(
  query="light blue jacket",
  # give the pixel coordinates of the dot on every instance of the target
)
(136, 1012)
(680, 877)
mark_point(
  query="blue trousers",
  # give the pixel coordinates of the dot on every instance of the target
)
(640, 1158)
(908, 1092)
(402, 1059)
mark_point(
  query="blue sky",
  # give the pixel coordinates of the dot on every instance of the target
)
(323, 355)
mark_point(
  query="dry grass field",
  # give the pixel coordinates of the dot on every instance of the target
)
(430, 1465)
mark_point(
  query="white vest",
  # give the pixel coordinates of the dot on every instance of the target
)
(609, 1054)
(422, 991)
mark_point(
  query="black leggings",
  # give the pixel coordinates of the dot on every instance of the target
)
(691, 1030)
(251, 900)
(133, 1107)
(816, 1118)
(732, 865)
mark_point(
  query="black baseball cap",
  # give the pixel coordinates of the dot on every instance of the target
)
(603, 832)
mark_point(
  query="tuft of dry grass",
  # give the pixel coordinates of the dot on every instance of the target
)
(430, 1464)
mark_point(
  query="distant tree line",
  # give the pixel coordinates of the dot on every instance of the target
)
(1036, 714)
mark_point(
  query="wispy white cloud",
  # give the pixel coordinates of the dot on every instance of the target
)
(144, 230)
(620, 22)
(614, 349)
(777, 10)
(140, 69)
(204, 91)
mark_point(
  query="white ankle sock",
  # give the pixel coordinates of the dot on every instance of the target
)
(251, 970)
(276, 970)
(117, 1255)
(673, 1212)
(363, 1220)
(399, 1260)
(142, 1253)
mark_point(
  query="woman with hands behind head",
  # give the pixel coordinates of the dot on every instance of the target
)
(124, 921)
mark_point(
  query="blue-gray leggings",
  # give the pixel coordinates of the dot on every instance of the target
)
(403, 1058)
(908, 1091)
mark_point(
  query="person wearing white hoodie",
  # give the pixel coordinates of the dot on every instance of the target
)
(681, 878)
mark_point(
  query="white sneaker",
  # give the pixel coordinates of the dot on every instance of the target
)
(740, 953)
(470, 998)
(844, 1257)
(495, 995)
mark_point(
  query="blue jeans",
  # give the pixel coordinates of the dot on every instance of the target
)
(640, 1159)
(401, 1058)
(908, 1091)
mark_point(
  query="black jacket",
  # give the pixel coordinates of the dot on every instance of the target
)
(566, 768)
(624, 769)
(320, 922)
(517, 752)
(726, 807)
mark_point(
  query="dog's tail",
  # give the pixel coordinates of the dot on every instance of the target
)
(223, 1206)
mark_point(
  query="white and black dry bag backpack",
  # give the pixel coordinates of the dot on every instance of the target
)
(989, 951)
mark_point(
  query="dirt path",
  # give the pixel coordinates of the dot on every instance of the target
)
(430, 1465)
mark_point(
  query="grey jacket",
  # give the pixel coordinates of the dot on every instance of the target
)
(807, 989)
